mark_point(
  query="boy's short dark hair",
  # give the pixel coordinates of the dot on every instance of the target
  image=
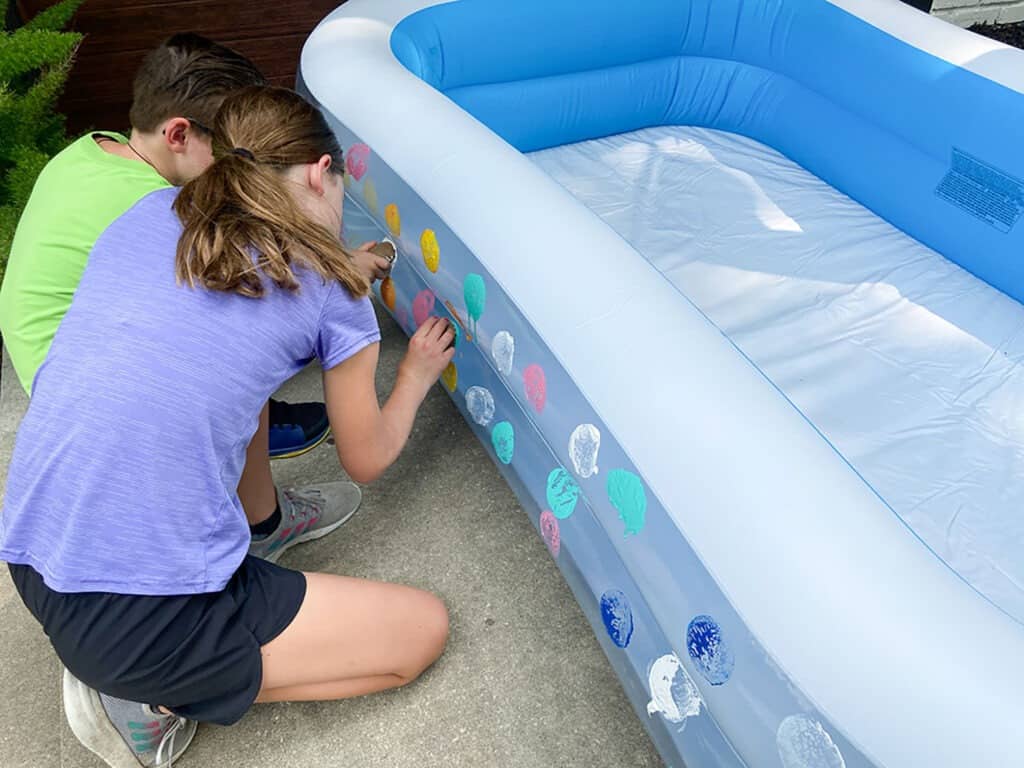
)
(188, 76)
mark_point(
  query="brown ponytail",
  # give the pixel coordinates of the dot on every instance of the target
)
(241, 225)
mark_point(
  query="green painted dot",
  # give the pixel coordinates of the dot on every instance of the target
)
(627, 495)
(562, 494)
(503, 438)
(474, 291)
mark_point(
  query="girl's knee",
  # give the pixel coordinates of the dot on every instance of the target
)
(435, 625)
(431, 633)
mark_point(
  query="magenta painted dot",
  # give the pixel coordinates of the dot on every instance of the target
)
(549, 532)
(356, 160)
(422, 306)
(536, 386)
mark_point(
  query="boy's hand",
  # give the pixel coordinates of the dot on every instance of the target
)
(370, 264)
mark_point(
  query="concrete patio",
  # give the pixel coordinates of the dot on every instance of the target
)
(523, 682)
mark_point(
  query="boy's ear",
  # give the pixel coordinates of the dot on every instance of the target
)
(175, 133)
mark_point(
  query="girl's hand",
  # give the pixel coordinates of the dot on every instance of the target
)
(431, 348)
(370, 264)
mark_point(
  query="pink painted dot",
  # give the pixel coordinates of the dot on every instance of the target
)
(536, 386)
(549, 532)
(422, 306)
(356, 159)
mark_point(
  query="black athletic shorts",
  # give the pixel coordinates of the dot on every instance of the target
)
(197, 655)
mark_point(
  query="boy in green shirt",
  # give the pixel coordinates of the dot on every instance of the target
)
(176, 94)
(77, 196)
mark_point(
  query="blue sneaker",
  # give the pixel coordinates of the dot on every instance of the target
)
(296, 428)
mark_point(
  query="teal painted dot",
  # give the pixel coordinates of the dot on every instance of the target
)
(475, 293)
(563, 492)
(503, 438)
(627, 495)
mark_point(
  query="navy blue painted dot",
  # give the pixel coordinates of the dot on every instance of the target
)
(617, 617)
(709, 650)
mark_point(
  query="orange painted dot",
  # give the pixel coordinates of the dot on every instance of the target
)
(387, 293)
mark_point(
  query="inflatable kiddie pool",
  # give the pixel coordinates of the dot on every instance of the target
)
(738, 288)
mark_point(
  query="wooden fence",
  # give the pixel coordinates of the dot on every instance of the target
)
(119, 32)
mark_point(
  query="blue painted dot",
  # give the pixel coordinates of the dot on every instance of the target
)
(709, 650)
(617, 617)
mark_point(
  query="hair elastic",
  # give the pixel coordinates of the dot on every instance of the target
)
(242, 152)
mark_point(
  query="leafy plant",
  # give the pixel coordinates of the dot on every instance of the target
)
(34, 63)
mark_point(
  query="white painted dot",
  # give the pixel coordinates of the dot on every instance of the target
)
(480, 404)
(803, 743)
(503, 349)
(584, 444)
(673, 692)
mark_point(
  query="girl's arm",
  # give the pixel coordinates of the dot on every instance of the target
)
(370, 437)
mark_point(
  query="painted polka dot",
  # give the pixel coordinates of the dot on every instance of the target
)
(422, 306)
(584, 445)
(617, 617)
(562, 493)
(536, 386)
(503, 348)
(550, 533)
(393, 219)
(450, 377)
(370, 196)
(503, 438)
(711, 654)
(356, 160)
(626, 493)
(387, 292)
(480, 404)
(431, 251)
(673, 693)
(804, 743)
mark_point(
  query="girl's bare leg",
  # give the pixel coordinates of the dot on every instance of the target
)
(352, 637)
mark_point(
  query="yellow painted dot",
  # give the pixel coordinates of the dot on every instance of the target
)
(349, 183)
(450, 377)
(370, 196)
(387, 292)
(393, 220)
(431, 251)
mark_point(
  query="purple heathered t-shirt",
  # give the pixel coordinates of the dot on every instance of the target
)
(126, 466)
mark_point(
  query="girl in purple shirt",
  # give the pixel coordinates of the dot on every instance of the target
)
(130, 546)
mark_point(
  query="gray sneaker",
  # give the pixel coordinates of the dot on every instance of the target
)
(308, 513)
(124, 734)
